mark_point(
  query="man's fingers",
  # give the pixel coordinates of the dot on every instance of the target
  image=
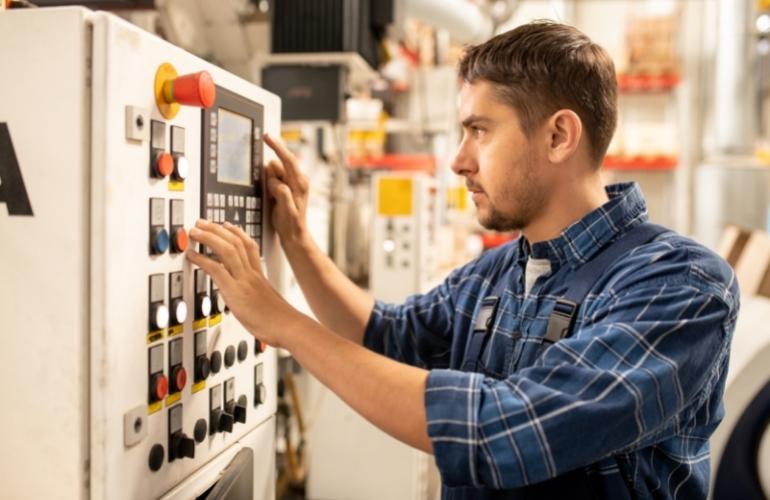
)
(215, 269)
(222, 243)
(275, 169)
(293, 175)
(282, 194)
(251, 249)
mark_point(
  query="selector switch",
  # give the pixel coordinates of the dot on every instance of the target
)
(219, 420)
(235, 408)
(179, 444)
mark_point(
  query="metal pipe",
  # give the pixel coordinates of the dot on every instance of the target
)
(465, 21)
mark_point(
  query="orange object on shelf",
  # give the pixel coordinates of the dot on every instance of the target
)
(647, 83)
(640, 162)
(396, 162)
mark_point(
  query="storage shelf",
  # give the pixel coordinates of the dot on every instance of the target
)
(640, 162)
(647, 83)
(395, 162)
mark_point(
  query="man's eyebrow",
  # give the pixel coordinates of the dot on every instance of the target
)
(473, 119)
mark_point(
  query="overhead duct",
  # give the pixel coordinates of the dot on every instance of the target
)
(465, 21)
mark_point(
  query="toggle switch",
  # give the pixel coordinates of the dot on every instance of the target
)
(171, 90)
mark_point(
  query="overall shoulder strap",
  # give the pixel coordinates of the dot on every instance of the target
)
(583, 279)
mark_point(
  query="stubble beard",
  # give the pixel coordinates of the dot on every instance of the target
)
(528, 197)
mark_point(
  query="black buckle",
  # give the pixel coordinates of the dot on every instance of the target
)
(560, 320)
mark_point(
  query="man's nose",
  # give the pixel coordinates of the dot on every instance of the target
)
(463, 163)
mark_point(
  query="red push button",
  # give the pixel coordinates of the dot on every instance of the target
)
(164, 164)
(180, 240)
(159, 387)
(196, 89)
(180, 379)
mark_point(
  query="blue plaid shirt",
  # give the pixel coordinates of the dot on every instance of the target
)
(634, 393)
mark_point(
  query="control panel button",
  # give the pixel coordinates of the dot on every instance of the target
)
(162, 164)
(217, 302)
(178, 378)
(221, 421)
(182, 446)
(196, 89)
(229, 356)
(181, 168)
(179, 311)
(180, 240)
(203, 305)
(159, 316)
(243, 350)
(202, 368)
(216, 361)
(200, 429)
(237, 410)
(158, 387)
(260, 394)
(160, 240)
(157, 455)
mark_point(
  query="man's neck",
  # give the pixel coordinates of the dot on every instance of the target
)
(569, 203)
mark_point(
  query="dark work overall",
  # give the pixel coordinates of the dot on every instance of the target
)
(576, 484)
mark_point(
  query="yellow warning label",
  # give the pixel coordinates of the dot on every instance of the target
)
(215, 320)
(176, 185)
(395, 196)
(155, 407)
(173, 398)
(155, 336)
(199, 386)
(175, 330)
(200, 324)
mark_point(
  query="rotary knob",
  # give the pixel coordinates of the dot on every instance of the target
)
(218, 302)
(178, 378)
(158, 387)
(162, 164)
(203, 306)
(237, 410)
(181, 168)
(202, 368)
(221, 421)
(159, 240)
(183, 446)
(159, 316)
(179, 311)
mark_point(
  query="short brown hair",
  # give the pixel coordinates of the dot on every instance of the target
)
(541, 67)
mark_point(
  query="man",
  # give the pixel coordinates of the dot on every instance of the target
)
(622, 406)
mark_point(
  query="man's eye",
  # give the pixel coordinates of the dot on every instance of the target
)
(477, 131)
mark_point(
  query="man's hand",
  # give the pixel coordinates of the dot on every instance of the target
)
(288, 186)
(248, 294)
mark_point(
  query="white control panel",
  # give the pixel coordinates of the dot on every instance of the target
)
(125, 376)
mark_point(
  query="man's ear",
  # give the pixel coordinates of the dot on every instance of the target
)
(564, 130)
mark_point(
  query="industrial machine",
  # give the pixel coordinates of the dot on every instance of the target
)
(125, 376)
(740, 446)
(403, 260)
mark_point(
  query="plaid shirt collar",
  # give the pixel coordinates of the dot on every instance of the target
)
(583, 239)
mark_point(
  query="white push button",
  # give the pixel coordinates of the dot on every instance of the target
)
(180, 311)
(182, 168)
(205, 305)
(160, 316)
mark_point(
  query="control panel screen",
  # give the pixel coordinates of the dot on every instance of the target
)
(234, 148)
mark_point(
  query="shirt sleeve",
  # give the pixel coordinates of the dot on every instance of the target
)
(417, 332)
(646, 356)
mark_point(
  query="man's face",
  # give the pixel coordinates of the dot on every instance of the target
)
(499, 163)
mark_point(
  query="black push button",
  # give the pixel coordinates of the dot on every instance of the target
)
(157, 454)
(202, 368)
(216, 361)
(243, 350)
(229, 356)
(199, 432)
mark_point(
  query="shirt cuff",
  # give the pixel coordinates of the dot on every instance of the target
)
(451, 401)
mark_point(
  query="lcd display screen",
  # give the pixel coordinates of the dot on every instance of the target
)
(234, 148)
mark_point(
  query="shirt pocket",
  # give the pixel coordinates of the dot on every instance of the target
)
(498, 355)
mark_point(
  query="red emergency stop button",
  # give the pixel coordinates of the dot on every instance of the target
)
(158, 387)
(180, 240)
(163, 164)
(196, 89)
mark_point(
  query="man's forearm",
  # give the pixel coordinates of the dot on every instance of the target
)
(389, 394)
(337, 302)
